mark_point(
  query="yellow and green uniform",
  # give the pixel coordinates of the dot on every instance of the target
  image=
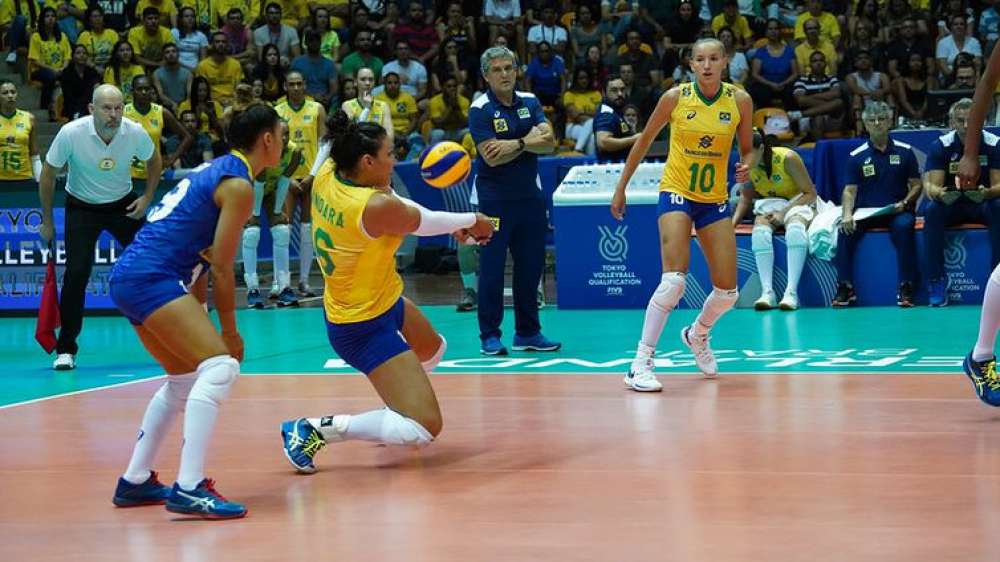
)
(303, 130)
(152, 121)
(98, 45)
(270, 176)
(701, 138)
(15, 159)
(125, 77)
(379, 108)
(780, 182)
(359, 272)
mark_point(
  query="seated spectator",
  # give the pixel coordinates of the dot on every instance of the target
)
(97, 39)
(166, 8)
(148, 39)
(198, 152)
(121, 69)
(651, 17)
(546, 75)
(633, 93)
(594, 64)
(581, 102)
(277, 33)
(240, 38)
(865, 11)
(911, 89)
(420, 36)
(48, 54)
(864, 40)
(963, 77)
(362, 57)
(949, 9)
(773, 70)
(866, 85)
(643, 64)
(548, 31)
(449, 113)
(896, 14)
(78, 81)
(348, 89)
(957, 42)
(814, 42)
(209, 111)
(271, 73)
(683, 29)
(449, 62)
(880, 173)
(829, 27)
(948, 206)
(362, 22)
(631, 115)
(737, 24)
(206, 14)
(820, 99)
(412, 73)
(905, 44)
(222, 71)
(682, 72)
(612, 135)
(402, 107)
(191, 43)
(172, 81)
(329, 45)
(739, 68)
(586, 33)
(503, 17)
(989, 27)
(319, 72)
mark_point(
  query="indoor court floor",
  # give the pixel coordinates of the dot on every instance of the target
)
(832, 435)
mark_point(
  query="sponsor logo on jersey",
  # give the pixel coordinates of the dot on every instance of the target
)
(706, 141)
(691, 115)
(725, 117)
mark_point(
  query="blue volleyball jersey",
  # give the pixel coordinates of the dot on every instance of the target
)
(181, 225)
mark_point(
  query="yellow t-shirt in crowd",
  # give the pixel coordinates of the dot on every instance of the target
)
(167, 10)
(585, 102)
(829, 29)
(149, 46)
(99, 45)
(440, 110)
(741, 27)
(50, 54)
(125, 77)
(401, 109)
(804, 51)
(204, 123)
(222, 77)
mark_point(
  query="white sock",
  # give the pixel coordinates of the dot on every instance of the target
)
(251, 238)
(797, 244)
(470, 281)
(280, 241)
(305, 252)
(719, 302)
(666, 296)
(381, 426)
(762, 243)
(163, 408)
(216, 376)
(989, 319)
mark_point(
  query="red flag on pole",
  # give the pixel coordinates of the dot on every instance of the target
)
(48, 309)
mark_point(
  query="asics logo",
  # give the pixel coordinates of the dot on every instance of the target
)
(204, 504)
(691, 115)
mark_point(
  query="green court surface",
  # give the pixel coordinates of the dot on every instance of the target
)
(293, 341)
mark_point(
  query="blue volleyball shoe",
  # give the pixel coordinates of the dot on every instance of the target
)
(301, 443)
(537, 342)
(150, 492)
(984, 379)
(203, 502)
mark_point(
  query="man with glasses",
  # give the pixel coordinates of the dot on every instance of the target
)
(613, 135)
(948, 205)
(814, 42)
(949, 46)
(906, 44)
(277, 33)
(510, 131)
(880, 173)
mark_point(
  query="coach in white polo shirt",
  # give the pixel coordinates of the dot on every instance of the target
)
(98, 149)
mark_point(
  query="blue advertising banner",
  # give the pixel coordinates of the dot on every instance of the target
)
(23, 258)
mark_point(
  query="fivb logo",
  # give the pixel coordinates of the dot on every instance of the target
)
(613, 246)
(954, 252)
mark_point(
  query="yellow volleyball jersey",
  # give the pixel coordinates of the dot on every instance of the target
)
(270, 176)
(15, 158)
(701, 138)
(779, 183)
(303, 130)
(359, 272)
(379, 108)
(152, 121)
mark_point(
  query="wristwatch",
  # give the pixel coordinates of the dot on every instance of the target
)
(520, 144)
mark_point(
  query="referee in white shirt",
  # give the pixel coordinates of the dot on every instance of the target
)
(98, 149)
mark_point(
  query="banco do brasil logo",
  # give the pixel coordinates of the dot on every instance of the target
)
(706, 141)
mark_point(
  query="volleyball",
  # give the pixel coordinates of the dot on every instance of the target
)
(445, 164)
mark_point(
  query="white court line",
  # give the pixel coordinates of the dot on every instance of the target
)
(75, 392)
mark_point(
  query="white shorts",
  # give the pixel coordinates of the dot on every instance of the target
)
(777, 204)
(280, 192)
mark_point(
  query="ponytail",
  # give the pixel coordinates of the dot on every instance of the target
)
(767, 141)
(349, 141)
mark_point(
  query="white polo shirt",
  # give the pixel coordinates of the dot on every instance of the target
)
(99, 172)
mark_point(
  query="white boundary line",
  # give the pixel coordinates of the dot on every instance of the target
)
(75, 392)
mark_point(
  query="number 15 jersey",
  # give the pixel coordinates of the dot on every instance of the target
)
(701, 138)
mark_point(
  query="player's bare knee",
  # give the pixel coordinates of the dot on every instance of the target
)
(253, 221)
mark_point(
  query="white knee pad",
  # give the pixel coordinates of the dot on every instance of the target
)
(795, 235)
(400, 430)
(761, 240)
(668, 293)
(431, 363)
(282, 235)
(995, 276)
(251, 236)
(216, 376)
(176, 390)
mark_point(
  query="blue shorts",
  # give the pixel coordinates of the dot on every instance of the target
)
(138, 298)
(366, 345)
(703, 214)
